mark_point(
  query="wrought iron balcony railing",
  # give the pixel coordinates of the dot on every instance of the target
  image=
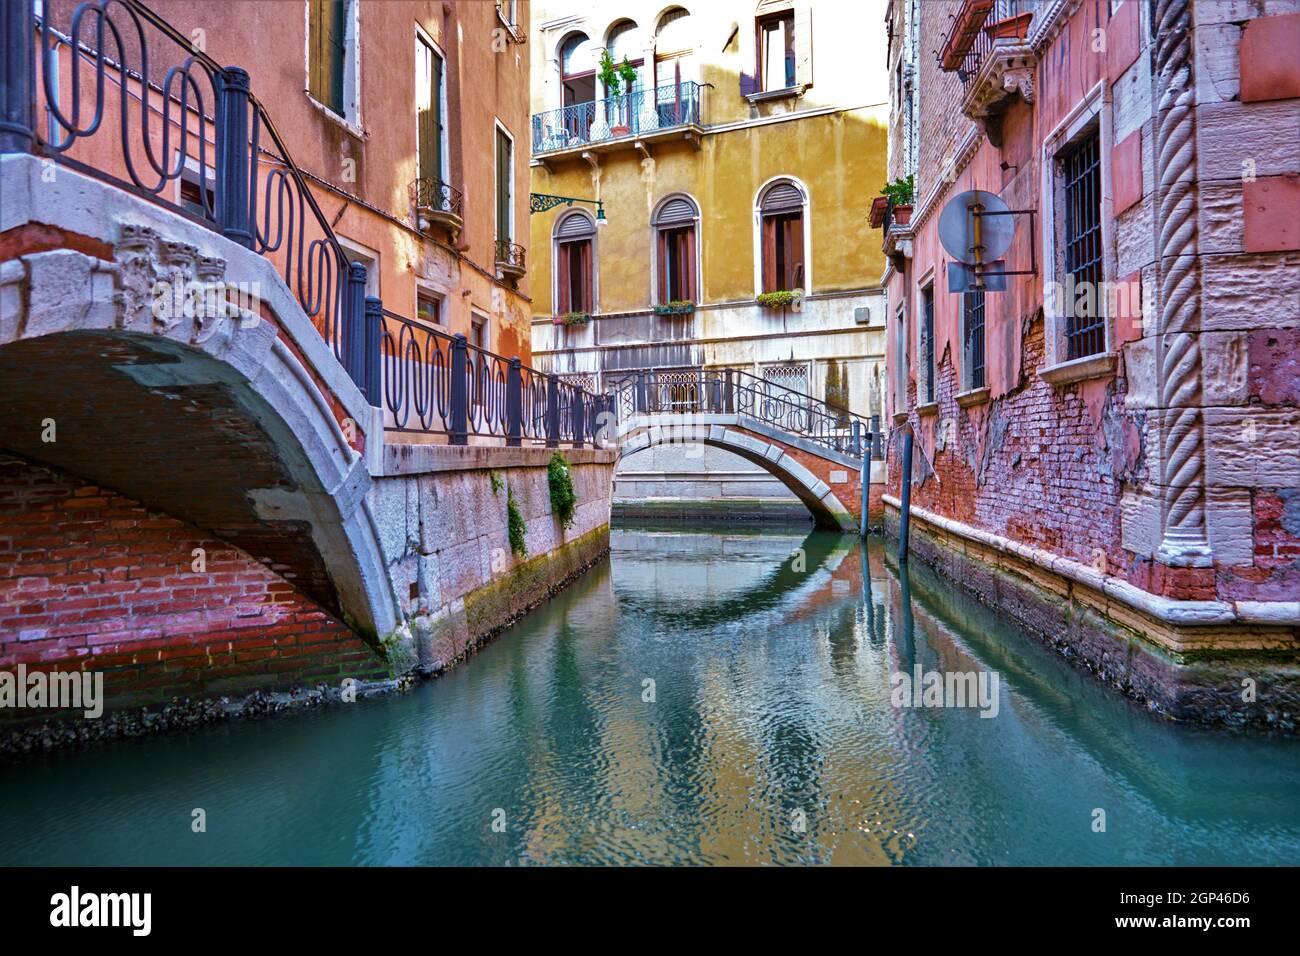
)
(975, 28)
(435, 200)
(510, 256)
(627, 114)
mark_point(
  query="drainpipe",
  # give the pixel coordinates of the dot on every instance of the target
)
(905, 495)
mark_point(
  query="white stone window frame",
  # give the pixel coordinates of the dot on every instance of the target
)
(595, 258)
(654, 247)
(444, 157)
(800, 185)
(430, 290)
(496, 178)
(924, 284)
(1094, 109)
(351, 121)
(353, 248)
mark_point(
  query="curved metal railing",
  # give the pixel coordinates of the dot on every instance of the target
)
(696, 391)
(187, 122)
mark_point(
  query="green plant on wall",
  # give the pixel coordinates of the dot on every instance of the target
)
(496, 481)
(515, 526)
(563, 498)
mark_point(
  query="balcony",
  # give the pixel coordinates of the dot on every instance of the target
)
(510, 259)
(437, 205)
(988, 48)
(638, 117)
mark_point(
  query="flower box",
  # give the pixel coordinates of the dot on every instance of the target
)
(1012, 28)
(903, 214)
(879, 206)
(571, 318)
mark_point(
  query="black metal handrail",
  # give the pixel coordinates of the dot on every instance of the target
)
(438, 383)
(698, 391)
(252, 194)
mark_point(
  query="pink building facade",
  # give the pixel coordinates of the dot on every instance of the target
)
(1109, 448)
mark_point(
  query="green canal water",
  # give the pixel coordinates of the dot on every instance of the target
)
(767, 736)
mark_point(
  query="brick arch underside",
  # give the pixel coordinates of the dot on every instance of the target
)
(193, 454)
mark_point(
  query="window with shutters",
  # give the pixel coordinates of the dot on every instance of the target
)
(505, 174)
(781, 235)
(575, 266)
(429, 111)
(332, 56)
(776, 52)
(675, 225)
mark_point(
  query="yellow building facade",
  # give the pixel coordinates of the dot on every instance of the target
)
(734, 149)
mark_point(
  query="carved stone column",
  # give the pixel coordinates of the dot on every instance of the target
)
(1182, 429)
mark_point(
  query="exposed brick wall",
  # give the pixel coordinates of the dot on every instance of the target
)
(92, 580)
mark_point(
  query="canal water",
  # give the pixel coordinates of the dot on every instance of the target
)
(721, 696)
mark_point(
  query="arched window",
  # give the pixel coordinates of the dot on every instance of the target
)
(624, 41)
(675, 98)
(575, 263)
(781, 225)
(577, 69)
(675, 224)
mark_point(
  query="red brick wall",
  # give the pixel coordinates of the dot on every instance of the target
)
(92, 580)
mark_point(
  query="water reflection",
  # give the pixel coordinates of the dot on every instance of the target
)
(715, 696)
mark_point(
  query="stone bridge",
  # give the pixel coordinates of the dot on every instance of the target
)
(196, 497)
(815, 450)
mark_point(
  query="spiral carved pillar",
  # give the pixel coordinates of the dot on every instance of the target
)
(1182, 428)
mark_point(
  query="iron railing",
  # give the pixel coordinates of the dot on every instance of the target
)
(437, 196)
(698, 391)
(983, 43)
(626, 114)
(440, 384)
(510, 254)
(198, 125)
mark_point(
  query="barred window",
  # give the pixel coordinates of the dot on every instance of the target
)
(1085, 332)
(925, 375)
(973, 338)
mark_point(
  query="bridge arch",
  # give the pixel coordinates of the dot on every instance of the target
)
(241, 424)
(786, 461)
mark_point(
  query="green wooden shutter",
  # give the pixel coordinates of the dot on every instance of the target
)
(327, 48)
(430, 118)
(503, 186)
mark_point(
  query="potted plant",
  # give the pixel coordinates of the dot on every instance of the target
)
(899, 196)
(613, 77)
(1012, 28)
(571, 318)
(777, 300)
